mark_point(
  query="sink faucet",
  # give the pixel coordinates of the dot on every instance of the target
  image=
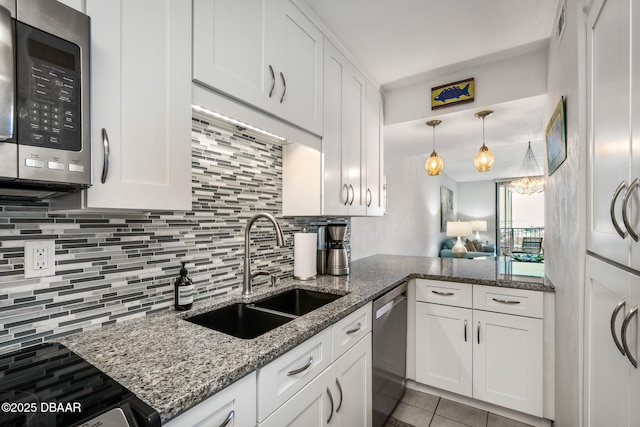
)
(247, 288)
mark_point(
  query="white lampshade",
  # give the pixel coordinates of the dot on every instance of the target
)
(479, 225)
(459, 228)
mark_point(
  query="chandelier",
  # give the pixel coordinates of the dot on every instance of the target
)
(434, 164)
(531, 182)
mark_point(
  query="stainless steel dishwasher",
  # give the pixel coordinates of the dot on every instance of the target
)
(389, 352)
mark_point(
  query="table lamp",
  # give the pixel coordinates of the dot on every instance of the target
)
(478, 226)
(457, 229)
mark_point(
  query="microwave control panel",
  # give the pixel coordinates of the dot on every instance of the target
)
(49, 90)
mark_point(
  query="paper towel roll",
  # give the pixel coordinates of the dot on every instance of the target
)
(304, 255)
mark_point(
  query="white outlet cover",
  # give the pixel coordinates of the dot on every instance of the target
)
(30, 259)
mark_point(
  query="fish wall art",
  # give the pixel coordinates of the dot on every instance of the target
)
(452, 93)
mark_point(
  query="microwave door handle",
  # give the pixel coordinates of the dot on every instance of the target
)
(7, 76)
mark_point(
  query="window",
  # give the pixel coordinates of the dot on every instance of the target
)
(520, 220)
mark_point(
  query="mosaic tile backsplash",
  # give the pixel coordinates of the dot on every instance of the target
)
(114, 267)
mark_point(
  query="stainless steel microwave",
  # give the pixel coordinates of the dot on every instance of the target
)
(45, 119)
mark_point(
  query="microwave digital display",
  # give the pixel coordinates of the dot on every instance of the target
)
(51, 54)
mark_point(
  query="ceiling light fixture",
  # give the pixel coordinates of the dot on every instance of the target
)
(532, 182)
(434, 163)
(483, 161)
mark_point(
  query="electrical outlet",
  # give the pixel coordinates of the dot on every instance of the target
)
(39, 258)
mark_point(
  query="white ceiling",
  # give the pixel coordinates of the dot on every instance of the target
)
(397, 40)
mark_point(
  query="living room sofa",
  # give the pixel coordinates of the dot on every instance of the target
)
(446, 252)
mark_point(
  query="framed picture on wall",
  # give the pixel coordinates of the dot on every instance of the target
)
(556, 138)
(446, 207)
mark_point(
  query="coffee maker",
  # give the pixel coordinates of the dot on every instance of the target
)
(337, 263)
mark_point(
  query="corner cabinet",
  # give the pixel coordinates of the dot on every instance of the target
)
(264, 53)
(481, 341)
(342, 177)
(141, 106)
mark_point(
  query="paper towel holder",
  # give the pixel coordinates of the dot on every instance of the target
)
(311, 273)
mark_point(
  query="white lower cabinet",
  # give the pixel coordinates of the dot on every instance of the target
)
(340, 396)
(235, 406)
(493, 356)
(612, 382)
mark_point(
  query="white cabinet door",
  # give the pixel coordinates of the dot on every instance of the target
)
(295, 48)
(610, 148)
(507, 361)
(352, 385)
(344, 96)
(374, 197)
(267, 54)
(234, 406)
(229, 49)
(607, 381)
(141, 97)
(310, 407)
(444, 347)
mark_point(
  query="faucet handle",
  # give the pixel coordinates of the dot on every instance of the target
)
(265, 273)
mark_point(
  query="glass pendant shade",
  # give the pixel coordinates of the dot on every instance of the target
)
(434, 164)
(483, 161)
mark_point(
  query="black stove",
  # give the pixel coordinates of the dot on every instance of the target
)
(48, 385)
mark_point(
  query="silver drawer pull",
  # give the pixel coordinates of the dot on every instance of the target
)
(284, 87)
(107, 155)
(354, 330)
(465, 330)
(625, 215)
(505, 301)
(340, 390)
(304, 368)
(623, 334)
(444, 294)
(331, 400)
(273, 80)
(229, 419)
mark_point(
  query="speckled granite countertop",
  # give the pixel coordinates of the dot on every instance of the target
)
(172, 364)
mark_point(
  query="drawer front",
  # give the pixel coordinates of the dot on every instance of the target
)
(350, 330)
(282, 378)
(447, 293)
(520, 302)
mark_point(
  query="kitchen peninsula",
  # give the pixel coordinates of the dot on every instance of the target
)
(173, 364)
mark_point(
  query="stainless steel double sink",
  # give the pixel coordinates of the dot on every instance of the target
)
(250, 320)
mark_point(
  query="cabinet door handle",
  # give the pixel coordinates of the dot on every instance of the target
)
(273, 80)
(505, 301)
(623, 334)
(625, 217)
(444, 294)
(229, 419)
(340, 390)
(369, 197)
(478, 332)
(346, 191)
(353, 194)
(465, 330)
(612, 205)
(304, 368)
(107, 155)
(614, 315)
(354, 330)
(284, 87)
(7, 73)
(330, 400)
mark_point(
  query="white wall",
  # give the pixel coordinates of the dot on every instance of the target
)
(477, 201)
(565, 213)
(411, 225)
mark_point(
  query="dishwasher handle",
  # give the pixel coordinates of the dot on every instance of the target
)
(388, 307)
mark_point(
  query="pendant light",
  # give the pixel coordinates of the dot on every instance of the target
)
(483, 161)
(434, 163)
(531, 182)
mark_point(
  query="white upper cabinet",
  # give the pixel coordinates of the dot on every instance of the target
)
(141, 106)
(264, 53)
(374, 153)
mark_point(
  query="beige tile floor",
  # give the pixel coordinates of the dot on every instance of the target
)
(418, 409)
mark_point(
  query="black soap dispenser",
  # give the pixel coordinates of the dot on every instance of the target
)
(183, 294)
